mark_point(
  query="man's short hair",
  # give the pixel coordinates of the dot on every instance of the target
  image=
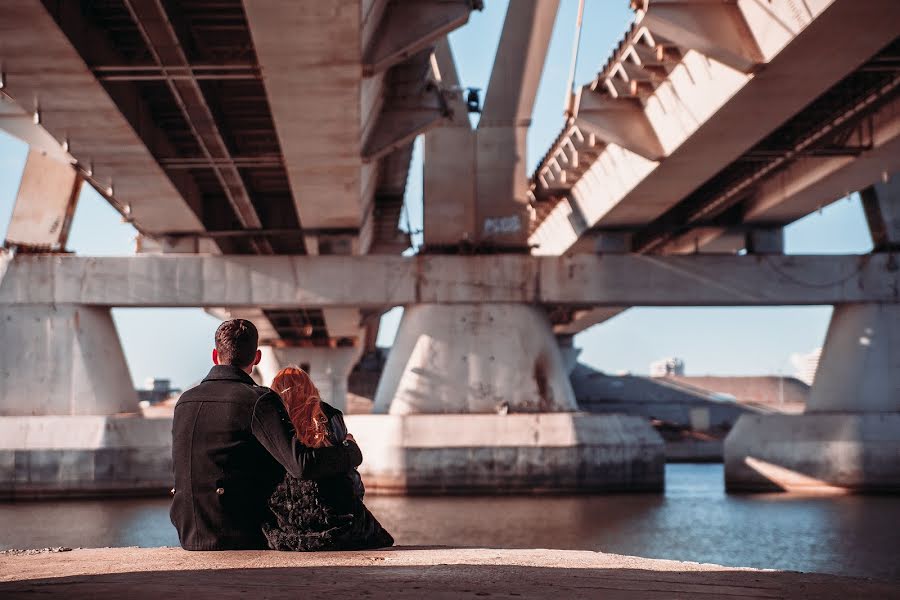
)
(236, 343)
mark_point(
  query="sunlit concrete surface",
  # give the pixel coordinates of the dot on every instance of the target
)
(97, 456)
(514, 453)
(404, 573)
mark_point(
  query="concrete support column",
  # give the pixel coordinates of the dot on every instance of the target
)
(766, 241)
(568, 351)
(881, 203)
(45, 204)
(859, 370)
(849, 436)
(613, 242)
(62, 360)
(474, 358)
(328, 368)
(476, 398)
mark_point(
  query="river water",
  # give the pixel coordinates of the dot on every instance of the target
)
(694, 520)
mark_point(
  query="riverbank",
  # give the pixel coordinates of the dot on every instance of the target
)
(404, 572)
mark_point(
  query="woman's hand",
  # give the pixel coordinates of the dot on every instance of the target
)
(350, 437)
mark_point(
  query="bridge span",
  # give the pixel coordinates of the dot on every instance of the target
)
(261, 149)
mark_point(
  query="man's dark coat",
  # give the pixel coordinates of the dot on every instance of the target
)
(232, 442)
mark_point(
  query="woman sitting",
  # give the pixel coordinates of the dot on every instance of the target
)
(325, 514)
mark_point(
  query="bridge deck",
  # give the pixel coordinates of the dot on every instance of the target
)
(404, 573)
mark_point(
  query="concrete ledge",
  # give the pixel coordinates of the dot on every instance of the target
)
(84, 456)
(404, 573)
(439, 454)
(814, 452)
(515, 453)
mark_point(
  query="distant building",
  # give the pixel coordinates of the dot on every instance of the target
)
(667, 366)
(805, 365)
(156, 391)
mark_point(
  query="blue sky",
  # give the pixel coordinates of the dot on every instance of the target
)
(711, 341)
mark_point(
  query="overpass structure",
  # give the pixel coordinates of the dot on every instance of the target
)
(261, 149)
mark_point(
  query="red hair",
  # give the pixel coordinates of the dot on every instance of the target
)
(304, 406)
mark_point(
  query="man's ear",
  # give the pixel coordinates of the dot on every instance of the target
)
(215, 356)
(257, 358)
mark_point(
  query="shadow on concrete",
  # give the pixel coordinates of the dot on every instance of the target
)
(449, 581)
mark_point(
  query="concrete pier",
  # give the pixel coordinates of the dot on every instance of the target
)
(476, 398)
(422, 454)
(474, 358)
(62, 359)
(509, 454)
(405, 573)
(66, 456)
(849, 436)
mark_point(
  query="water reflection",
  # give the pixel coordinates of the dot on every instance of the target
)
(695, 520)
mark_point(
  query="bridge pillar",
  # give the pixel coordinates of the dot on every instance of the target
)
(45, 205)
(476, 398)
(849, 435)
(881, 203)
(474, 358)
(56, 359)
(329, 368)
(62, 360)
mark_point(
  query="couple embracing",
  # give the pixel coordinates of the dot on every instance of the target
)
(259, 467)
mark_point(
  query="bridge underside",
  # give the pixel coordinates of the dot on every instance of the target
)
(262, 147)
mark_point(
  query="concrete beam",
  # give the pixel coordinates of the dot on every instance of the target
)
(619, 121)
(44, 70)
(581, 281)
(310, 55)
(768, 240)
(585, 319)
(408, 27)
(700, 113)
(444, 72)
(503, 217)
(20, 123)
(519, 62)
(411, 108)
(45, 204)
(717, 29)
(882, 206)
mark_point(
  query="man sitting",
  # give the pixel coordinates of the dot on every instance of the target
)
(232, 442)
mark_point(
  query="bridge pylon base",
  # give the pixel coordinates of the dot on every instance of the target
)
(476, 398)
(814, 452)
(557, 453)
(849, 436)
(62, 360)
